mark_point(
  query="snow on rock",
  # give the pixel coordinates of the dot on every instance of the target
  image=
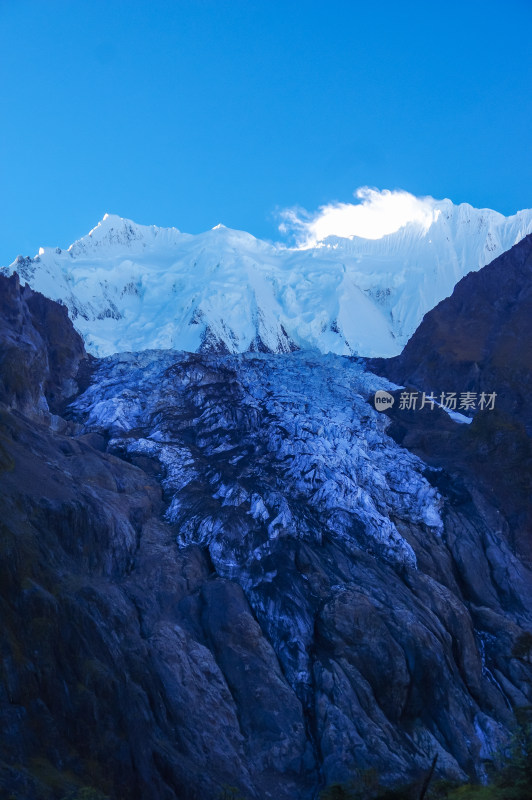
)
(259, 453)
(258, 446)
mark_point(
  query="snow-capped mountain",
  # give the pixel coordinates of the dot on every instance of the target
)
(134, 287)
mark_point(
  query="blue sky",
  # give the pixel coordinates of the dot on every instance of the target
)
(193, 113)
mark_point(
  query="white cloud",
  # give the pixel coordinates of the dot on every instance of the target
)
(377, 214)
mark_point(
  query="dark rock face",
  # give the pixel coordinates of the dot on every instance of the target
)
(478, 340)
(232, 576)
(40, 352)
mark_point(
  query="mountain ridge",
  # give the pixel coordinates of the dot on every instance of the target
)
(134, 287)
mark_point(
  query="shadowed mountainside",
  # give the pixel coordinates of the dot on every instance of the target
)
(221, 571)
(477, 340)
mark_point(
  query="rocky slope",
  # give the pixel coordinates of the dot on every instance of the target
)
(222, 571)
(40, 352)
(478, 340)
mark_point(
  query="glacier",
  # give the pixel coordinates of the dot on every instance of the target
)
(132, 287)
(298, 425)
(257, 450)
(348, 548)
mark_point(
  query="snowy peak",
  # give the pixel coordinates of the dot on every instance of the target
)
(112, 230)
(116, 233)
(362, 287)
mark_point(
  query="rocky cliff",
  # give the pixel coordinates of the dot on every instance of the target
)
(221, 571)
(478, 340)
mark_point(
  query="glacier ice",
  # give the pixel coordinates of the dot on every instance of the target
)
(258, 446)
